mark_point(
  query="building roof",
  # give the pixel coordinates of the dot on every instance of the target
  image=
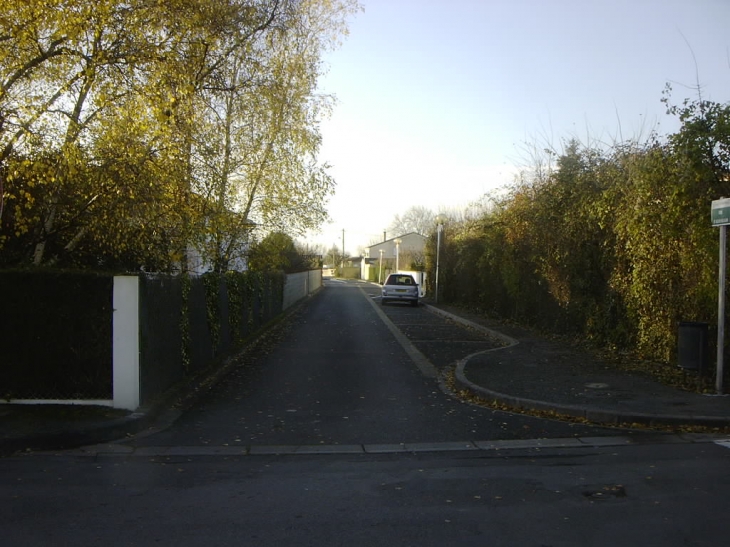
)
(392, 239)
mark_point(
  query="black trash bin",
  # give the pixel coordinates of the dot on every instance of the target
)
(692, 345)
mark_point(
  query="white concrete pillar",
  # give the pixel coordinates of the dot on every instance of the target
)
(125, 342)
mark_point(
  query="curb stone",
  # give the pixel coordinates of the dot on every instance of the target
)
(592, 415)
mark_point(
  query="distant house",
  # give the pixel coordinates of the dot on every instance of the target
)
(235, 242)
(407, 255)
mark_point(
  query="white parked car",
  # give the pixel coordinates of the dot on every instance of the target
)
(400, 287)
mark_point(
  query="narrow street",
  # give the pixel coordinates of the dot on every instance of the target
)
(336, 377)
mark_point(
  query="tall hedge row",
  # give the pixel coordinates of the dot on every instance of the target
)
(614, 245)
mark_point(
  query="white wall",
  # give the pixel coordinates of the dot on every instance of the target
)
(299, 285)
(125, 342)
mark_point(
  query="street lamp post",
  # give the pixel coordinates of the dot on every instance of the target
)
(397, 242)
(380, 275)
(439, 229)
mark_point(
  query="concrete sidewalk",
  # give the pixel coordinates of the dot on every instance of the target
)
(537, 374)
(527, 373)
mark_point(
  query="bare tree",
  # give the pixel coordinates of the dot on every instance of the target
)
(416, 219)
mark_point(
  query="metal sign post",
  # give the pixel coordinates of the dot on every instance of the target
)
(439, 229)
(720, 214)
(721, 309)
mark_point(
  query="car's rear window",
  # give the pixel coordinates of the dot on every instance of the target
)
(400, 280)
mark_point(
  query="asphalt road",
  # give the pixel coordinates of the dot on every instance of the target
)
(335, 375)
(338, 375)
(652, 496)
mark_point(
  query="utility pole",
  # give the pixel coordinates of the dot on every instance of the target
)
(720, 217)
(343, 252)
(380, 275)
(439, 229)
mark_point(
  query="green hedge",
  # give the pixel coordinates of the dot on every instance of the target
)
(613, 245)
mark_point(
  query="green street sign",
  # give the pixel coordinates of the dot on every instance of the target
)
(720, 212)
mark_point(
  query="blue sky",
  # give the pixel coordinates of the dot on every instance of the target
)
(436, 99)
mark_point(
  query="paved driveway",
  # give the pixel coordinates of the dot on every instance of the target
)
(440, 340)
